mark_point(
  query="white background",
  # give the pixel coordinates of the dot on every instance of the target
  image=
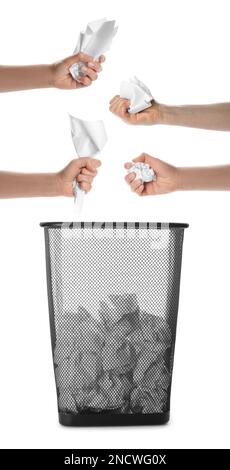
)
(181, 50)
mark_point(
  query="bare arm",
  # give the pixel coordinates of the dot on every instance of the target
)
(27, 185)
(13, 78)
(170, 178)
(210, 116)
(210, 178)
(15, 185)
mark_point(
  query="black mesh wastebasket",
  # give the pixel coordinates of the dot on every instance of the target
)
(113, 291)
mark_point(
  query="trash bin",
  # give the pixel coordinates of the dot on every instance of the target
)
(113, 291)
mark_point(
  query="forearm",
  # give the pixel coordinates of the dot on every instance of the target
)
(13, 78)
(213, 116)
(16, 185)
(216, 178)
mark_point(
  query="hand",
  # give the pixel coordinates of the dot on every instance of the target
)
(82, 169)
(62, 78)
(167, 177)
(119, 106)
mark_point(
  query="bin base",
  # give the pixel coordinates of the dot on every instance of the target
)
(68, 419)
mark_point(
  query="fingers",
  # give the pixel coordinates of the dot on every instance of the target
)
(119, 106)
(84, 81)
(90, 73)
(90, 69)
(95, 65)
(93, 164)
(140, 158)
(128, 165)
(114, 99)
(140, 190)
(130, 178)
(84, 165)
(81, 57)
(87, 178)
(136, 185)
(85, 171)
(123, 109)
(144, 157)
(90, 164)
(86, 186)
(88, 167)
(87, 175)
(101, 59)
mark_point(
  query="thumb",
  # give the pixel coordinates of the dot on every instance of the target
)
(74, 167)
(93, 164)
(79, 57)
(145, 158)
(124, 109)
(88, 162)
(125, 104)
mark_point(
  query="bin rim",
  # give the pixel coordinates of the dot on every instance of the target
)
(115, 225)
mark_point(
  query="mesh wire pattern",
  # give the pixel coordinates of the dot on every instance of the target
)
(113, 291)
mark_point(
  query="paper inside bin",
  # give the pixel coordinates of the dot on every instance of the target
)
(113, 363)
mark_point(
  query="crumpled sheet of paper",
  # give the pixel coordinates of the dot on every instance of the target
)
(94, 41)
(143, 172)
(89, 138)
(138, 93)
(114, 363)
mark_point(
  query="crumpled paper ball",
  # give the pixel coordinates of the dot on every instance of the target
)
(143, 172)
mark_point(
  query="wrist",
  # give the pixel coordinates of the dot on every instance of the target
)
(159, 113)
(40, 76)
(49, 74)
(57, 184)
(189, 179)
(168, 115)
(47, 184)
(155, 115)
(181, 179)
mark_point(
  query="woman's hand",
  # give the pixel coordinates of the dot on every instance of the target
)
(62, 78)
(119, 106)
(167, 177)
(82, 169)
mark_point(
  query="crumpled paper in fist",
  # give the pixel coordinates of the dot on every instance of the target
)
(89, 138)
(138, 93)
(94, 41)
(143, 172)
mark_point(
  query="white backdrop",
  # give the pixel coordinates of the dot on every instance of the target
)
(181, 50)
